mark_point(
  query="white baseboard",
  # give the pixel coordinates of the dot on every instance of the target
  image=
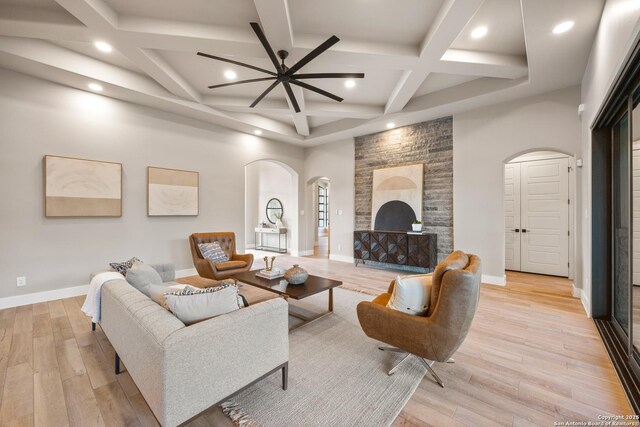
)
(494, 280)
(36, 297)
(584, 299)
(575, 292)
(302, 253)
(186, 273)
(341, 258)
(74, 291)
(250, 246)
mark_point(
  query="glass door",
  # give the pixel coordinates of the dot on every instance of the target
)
(634, 305)
(615, 197)
(621, 221)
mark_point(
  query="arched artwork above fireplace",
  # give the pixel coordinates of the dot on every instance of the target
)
(394, 216)
(397, 197)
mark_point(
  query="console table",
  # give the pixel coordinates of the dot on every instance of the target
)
(395, 247)
(280, 232)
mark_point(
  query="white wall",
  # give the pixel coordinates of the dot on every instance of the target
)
(267, 180)
(39, 117)
(335, 161)
(483, 140)
(618, 33)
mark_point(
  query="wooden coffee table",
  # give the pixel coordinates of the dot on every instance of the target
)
(312, 286)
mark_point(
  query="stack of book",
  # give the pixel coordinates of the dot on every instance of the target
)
(275, 273)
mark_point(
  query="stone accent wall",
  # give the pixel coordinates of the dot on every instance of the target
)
(430, 143)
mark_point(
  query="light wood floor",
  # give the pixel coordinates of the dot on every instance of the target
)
(532, 357)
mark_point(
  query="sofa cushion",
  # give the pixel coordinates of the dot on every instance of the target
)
(156, 292)
(213, 251)
(122, 267)
(230, 265)
(411, 294)
(141, 276)
(194, 306)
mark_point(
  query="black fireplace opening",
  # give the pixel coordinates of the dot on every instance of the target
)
(394, 216)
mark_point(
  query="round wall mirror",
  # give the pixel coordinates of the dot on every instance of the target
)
(274, 207)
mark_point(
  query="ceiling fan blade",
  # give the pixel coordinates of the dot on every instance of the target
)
(316, 90)
(329, 76)
(292, 97)
(242, 64)
(266, 45)
(265, 93)
(312, 55)
(241, 82)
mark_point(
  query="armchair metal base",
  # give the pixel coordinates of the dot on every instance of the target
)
(427, 363)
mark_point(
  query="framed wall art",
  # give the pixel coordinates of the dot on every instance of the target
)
(81, 187)
(397, 197)
(172, 192)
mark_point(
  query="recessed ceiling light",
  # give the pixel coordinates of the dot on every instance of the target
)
(257, 132)
(350, 83)
(391, 125)
(103, 46)
(479, 32)
(230, 74)
(95, 86)
(563, 27)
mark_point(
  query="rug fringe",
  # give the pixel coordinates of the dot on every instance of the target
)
(359, 290)
(238, 416)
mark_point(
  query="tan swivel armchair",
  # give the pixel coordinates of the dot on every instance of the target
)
(455, 292)
(223, 270)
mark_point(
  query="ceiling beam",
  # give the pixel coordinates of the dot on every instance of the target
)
(42, 24)
(150, 33)
(52, 55)
(276, 23)
(45, 60)
(98, 16)
(280, 106)
(451, 19)
(483, 64)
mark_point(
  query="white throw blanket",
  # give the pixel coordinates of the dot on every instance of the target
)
(91, 306)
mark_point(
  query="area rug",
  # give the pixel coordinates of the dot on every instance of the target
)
(337, 376)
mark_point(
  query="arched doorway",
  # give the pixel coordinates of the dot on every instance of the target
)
(266, 180)
(539, 213)
(321, 217)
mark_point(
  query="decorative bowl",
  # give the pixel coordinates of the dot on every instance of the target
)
(296, 275)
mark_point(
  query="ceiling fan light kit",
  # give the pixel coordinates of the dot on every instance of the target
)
(286, 75)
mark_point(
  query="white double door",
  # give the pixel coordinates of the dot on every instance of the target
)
(536, 209)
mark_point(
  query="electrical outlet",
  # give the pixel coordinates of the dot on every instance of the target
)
(21, 281)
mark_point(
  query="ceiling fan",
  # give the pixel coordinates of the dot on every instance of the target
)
(287, 75)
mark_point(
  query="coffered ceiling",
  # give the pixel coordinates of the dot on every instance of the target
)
(419, 57)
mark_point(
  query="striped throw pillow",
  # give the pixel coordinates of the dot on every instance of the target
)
(193, 305)
(213, 251)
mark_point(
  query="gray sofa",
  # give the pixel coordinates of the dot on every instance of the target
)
(183, 370)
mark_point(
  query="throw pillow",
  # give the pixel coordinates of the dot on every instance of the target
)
(194, 306)
(156, 292)
(122, 267)
(411, 294)
(213, 251)
(141, 276)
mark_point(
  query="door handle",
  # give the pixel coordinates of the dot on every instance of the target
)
(517, 230)
(524, 230)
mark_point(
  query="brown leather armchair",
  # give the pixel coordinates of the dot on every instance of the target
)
(455, 292)
(223, 270)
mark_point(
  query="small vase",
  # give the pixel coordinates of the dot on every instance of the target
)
(416, 227)
(296, 275)
(279, 224)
